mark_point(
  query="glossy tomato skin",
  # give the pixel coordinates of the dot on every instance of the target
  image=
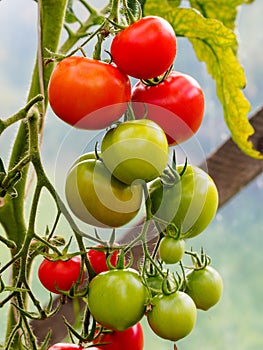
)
(130, 339)
(176, 104)
(97, 259)
(135, 150)
(99, 199)
(172, 316)
(171, 250)
(190, 204)
(145, 49)
(59, 274)
(67, 346)
(117, 298)
(87, 93)
(205, 287)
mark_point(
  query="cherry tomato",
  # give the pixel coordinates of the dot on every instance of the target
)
(85, 156)
(59, 274)
(172, 316)
(130, 339)
(117, 298)
(171, 250)
(145, 49)
(97, 259)
(99, 199)
(176, 104)
(67, 346)
(155, 283)
(190, 204)
(135, 150)
(205, 287)
(87, 93)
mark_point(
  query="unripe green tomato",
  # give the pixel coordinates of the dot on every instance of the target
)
(205, 287)
(135, 150)
(99, 199)
(117, 298)
(190, 204)
(171, 250)
(172, 316)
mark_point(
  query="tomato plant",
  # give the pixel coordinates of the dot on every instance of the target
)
(130, 339)
(117, 298)
(106, 188)
(59, 274)
(98, 198)
(75, 94)
(190, 204)
(172, 316)
(171, 250)
(205, 286)
(176, 104)
(98, 259)
(135, 150)
(140, 58)
(68, 346)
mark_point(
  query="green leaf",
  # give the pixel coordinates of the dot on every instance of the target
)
(215, 44)
(223, 10)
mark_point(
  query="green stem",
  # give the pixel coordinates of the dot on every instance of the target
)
(4, 124)
(12, 218)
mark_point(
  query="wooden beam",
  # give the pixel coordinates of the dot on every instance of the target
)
(230, 168)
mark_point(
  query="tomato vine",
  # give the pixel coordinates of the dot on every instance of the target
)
(140, 147)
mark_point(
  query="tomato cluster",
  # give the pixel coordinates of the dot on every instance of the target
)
(107, 188)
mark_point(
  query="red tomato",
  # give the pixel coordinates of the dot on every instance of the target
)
(87, 93)
(59, 274)
(98, 258)
(176, 104)
(145, 49)
(67, 346)
(130, 339)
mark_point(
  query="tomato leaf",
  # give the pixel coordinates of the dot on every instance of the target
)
(215, 44)
(223, 10)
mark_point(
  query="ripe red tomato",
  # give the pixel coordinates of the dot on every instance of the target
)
(67, 346)
(145, 49)
(97, 259)
(59, 274)
(130, 339)
(176, 104)
(87, 93)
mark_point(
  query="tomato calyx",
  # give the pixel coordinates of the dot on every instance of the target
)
(171, 176)
(159, 79)
(201, 261)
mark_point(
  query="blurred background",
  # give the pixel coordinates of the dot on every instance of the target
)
(234, 239)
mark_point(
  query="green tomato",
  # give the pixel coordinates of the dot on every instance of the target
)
(85, 156)
(171, 250)
(155, 283)
(135, 150)
(172, 316)
(205, 287)
(99, 199)
(117, 298)
(190, 204)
